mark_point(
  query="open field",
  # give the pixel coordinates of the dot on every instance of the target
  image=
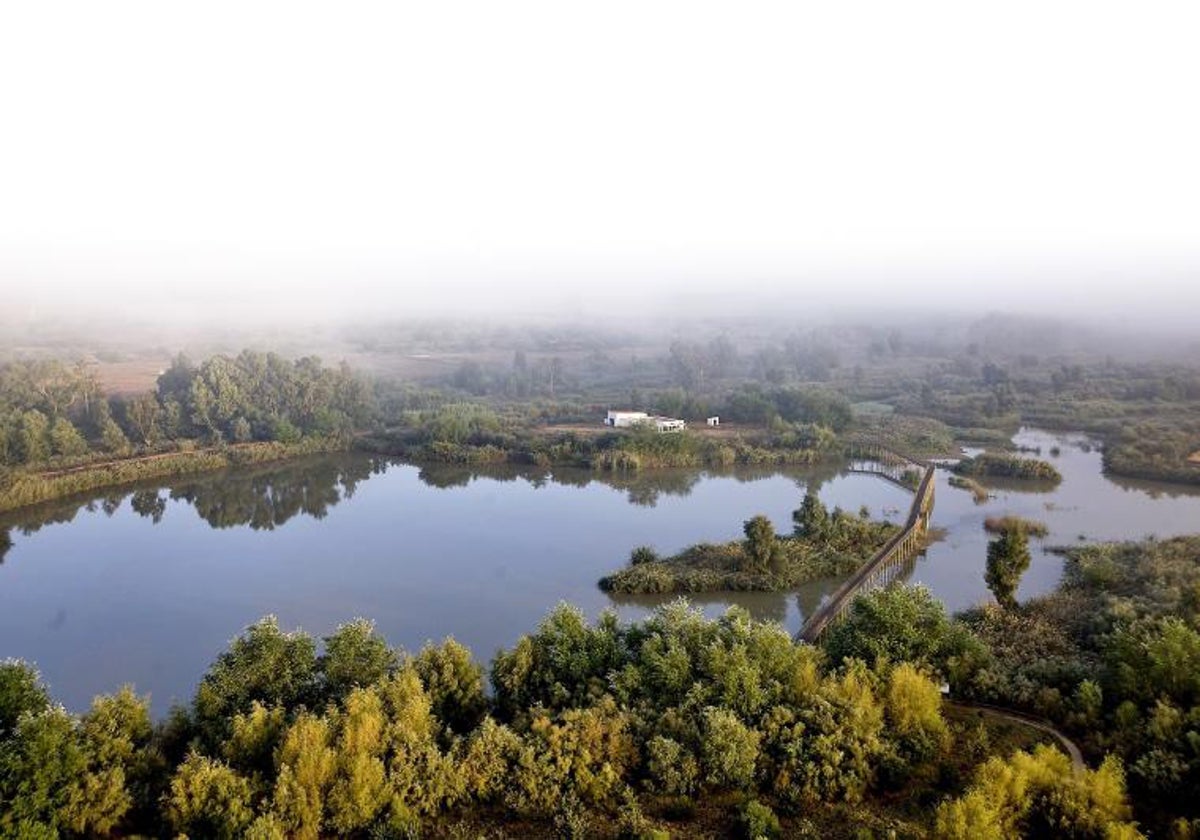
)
(132, 377)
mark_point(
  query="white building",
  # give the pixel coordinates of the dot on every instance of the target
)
(625, 419)
(668, 424)
(714, 421)
(629, 419)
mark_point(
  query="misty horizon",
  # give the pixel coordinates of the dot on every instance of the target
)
(535, 162)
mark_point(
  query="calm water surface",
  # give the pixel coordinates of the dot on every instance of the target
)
(148, 586)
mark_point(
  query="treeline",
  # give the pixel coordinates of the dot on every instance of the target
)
(60, 435)
(649, 730)
(1156, 449)
(475, 433)
(251, 396)
(1145, 413)
(52, 413)
(22, 488)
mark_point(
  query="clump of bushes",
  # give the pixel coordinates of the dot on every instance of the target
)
(1007, 466)
(977, 490)
(1000, 524)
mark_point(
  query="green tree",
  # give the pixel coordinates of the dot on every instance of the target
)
(142, 416)
(112, 439)
(1007, 559)
(762, 546)
(21, 692)
(758, 822)
(208, 799)
(355, 656)
(1156, 658)
(254, 737)
(580, 753)
(240, 431)
(263, 664)
(729, 750)
(454, 682)
(360, 789)
(811, 519)
(670, 768)
(913, 708)
(65, 439)
(41, 765)
(905, 624)
(485, 767)
(33, 437)
(565, 663)
(306, 763)
(1039, 795)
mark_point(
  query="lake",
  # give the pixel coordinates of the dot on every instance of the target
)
(148, 585)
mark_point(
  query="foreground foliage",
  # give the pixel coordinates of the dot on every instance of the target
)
(1114, 657)
(606, 729)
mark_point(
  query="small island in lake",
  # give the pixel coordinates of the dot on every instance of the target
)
(823, 544)
(1007, 466)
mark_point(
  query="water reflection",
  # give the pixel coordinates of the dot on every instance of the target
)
(149, 592)
(148, 582)
(645, 488)
(267, 497)
(262, 498)
(764, 606)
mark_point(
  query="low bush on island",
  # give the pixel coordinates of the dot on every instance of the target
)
(995, 465)
(823, 544)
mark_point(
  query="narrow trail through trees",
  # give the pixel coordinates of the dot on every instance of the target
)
(1069, 746)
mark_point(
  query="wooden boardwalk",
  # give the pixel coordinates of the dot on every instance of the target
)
(891, 560)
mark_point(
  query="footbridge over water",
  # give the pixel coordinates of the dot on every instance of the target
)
(891, 560)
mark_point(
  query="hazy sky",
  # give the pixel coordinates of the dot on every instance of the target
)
(359, 157)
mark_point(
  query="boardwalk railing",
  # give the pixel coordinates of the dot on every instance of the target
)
(890, 561)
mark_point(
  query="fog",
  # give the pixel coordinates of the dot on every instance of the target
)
(287, 163)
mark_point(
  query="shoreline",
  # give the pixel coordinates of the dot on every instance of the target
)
(28, 490)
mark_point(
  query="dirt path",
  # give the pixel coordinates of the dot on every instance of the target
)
(96, 465)
(1066, 743)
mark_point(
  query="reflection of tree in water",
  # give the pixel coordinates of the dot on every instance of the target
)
(643, 487)
(1155, 489)
(109, 503)
(763, 606)
(267, 499)
(5, 543)
(818, 475)
(446, 476)
(263, 498)
(149, 503)
(48, 515)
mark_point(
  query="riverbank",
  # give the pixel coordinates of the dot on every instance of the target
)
(23, 489)
(608, 451)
